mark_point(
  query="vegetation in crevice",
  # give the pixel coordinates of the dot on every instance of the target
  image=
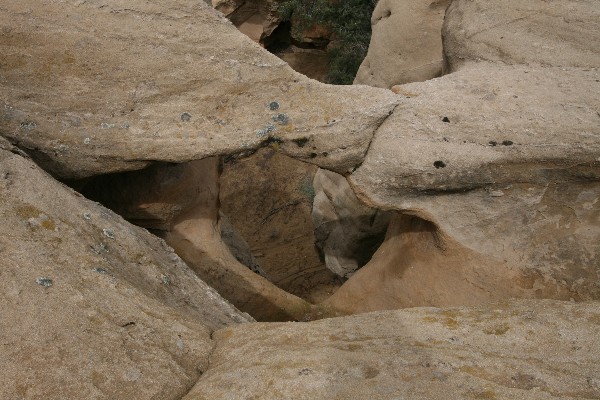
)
(350, 24)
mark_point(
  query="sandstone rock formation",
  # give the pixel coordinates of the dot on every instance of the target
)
(346, 231)
(269, 198)
(180, 202)
(492, 173)
(255, 19)
(406, 43)
(149, 83)
(92, 306)
(524, 349)
(509, 175)
(535, 33)
(489, 176)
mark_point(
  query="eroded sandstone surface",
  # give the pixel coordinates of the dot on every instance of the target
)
(92, 306)
(406, 43)
(513, 350)
(491, 176)
(103, 87)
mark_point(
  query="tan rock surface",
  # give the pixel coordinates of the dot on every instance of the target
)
(522, 192)
(535, 32)
(100, 87)
(406, 43)
(513, 350)
(504, 160)
(255, 19)
(93, 307)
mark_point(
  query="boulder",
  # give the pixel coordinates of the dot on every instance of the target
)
(406, 43)
(509, 176)
(100, 88)
(511, 350)
(346, 231)
(92, 306)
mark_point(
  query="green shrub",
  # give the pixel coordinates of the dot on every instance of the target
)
(350, 22)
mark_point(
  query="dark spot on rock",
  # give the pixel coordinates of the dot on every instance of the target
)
(273, 106)
(324, 154)
(281, 119)
(507, 143)
(100, 270)
(272, 140)
(493, 143)
(304, 371)
(445, 119)
(445, 139)
(186, 117)
(130, 323)
(312, 155)
(300, 141)
(268, 129)
(28, 125)
(45, 282)
(439, 164)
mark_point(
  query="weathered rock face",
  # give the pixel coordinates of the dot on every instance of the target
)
(507, 351)
(510, 173)
(181, 202)
(536, 33)
(149, 82)
(346, 231)
(493, 171)
(268, 197)
(255, 19)
(406, 43)
(92, 306)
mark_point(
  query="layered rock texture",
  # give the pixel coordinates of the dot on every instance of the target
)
(490, 176)
(269, 197)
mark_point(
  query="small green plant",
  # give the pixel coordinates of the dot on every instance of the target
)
(350, 23)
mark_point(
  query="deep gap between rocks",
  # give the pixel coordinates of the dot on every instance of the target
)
(255, 210)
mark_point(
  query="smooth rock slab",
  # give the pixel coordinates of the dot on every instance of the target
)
(534, 32)
(94, 87)
(406, 44)
(92, 306)
(513, 350)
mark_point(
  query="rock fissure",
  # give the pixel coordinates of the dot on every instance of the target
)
(85, 291)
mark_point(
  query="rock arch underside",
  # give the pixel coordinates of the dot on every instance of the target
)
(166, 182)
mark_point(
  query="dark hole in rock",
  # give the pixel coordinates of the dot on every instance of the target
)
(308, 58)
(268, 199)
(227, 215)
(439, 164)
(507, 143)
(445, 119)
(300, 141)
